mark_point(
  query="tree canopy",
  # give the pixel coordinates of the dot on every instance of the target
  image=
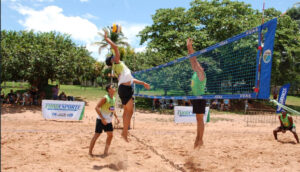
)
(38, 57)
(210, 22)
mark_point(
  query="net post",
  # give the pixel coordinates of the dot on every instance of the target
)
(133, 119)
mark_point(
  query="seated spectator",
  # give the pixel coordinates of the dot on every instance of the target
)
(2, 97)
(171, 105)
(55, 92)
(187, 103)
(19, 98)
(156, 103)
(70, 98)
(11, 97)
(27, 98)
(62, 96)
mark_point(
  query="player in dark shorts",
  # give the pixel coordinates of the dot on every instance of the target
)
(105, 110)
(125, 82)
(286, 123)
(198, 86)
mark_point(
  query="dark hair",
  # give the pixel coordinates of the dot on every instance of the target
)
(108, 86)
(108, 60)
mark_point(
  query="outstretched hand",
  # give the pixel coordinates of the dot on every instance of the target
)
(105, 34)
(147, 86)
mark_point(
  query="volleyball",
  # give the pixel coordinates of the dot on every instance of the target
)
(116, 28)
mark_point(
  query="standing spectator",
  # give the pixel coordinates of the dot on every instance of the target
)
(275, 94)
(42, 96)
(33, 92)
(55, 92)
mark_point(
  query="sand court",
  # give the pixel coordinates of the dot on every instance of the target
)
(30, 143)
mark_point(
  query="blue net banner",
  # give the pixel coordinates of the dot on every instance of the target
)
(235, 69)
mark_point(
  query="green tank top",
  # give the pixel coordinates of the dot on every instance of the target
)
(118, 68)
(198, 87)
(109, 106)
(285, 121)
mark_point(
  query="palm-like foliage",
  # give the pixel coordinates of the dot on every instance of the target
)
(117, 38)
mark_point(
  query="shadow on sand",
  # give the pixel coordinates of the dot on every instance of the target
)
(287, 142)
(13, 108)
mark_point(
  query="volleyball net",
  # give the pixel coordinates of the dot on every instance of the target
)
(237, 68)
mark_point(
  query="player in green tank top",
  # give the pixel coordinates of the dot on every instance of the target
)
(198, 84)
(105, 108)
(286, 123)
(198, 87)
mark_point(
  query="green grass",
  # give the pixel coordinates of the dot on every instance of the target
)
(293, 100)
(88, 93)
(15, 86)
(77, 91)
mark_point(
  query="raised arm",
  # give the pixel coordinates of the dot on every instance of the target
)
(114, 47)
(194, 63)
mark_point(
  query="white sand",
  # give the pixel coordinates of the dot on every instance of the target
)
(30, 143)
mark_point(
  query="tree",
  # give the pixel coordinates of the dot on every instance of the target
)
(117, 38)
(38, 57)
(294, 13)
(210, 22)
(207, 22)
(286, 50)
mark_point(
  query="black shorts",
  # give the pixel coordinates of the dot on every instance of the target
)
(198, 106)
(281, 128)
(125, 93)
(100, 126)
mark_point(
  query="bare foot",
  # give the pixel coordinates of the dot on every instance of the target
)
(105, 154)
(124, 136)
(198, 144)
(91, 155)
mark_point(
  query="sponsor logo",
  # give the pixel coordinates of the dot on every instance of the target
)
(267, 56)
(112, 108)
(223, 43)
(251, 31)
(245, 95)
(59, 114)
(218, 97)
(68, 107)
(203, 51)
(281, 99)
(184, 113)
